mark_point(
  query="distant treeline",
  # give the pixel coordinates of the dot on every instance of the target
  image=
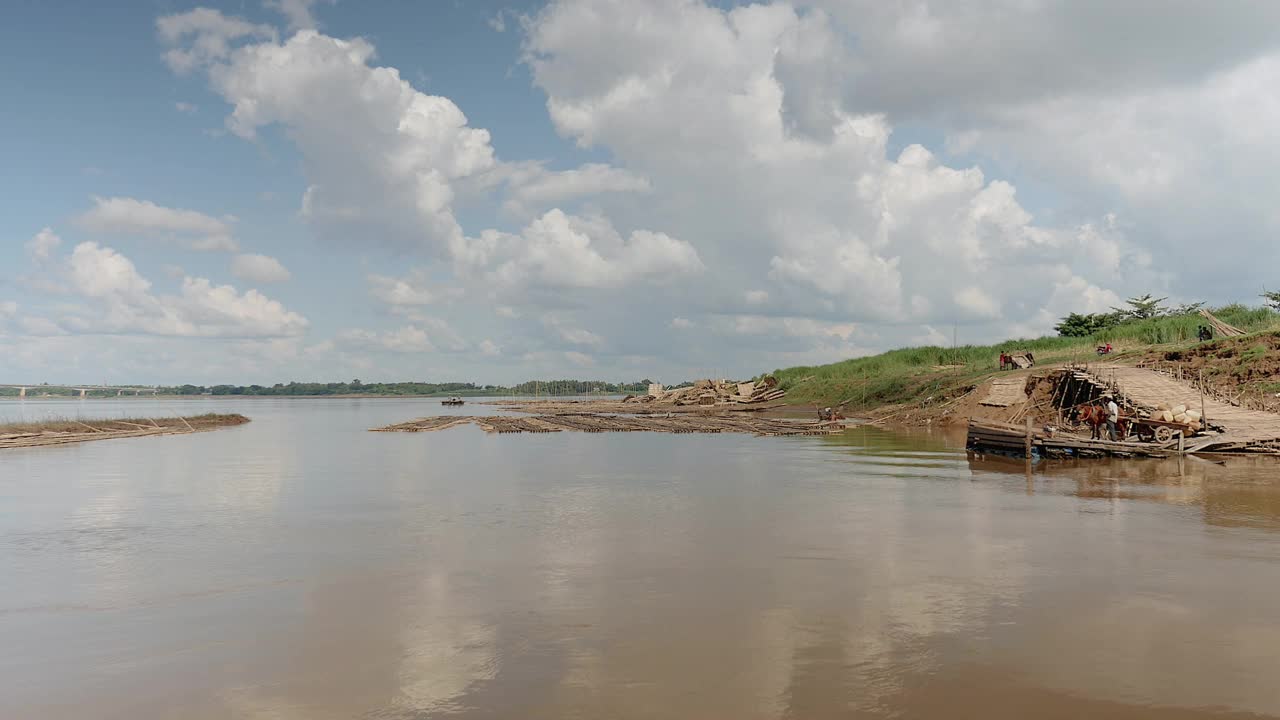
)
(42, 390)
(355, 387)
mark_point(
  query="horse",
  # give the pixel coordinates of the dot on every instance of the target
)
(1095, 416)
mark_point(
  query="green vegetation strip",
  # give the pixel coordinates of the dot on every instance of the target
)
(913, 375)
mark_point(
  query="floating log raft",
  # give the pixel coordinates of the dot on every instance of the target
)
(63, 432)
(593, 422)
(626, 407)
(986, 436)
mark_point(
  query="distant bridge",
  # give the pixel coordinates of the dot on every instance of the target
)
(84, 389)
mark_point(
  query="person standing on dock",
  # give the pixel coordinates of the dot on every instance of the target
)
(1113, 415)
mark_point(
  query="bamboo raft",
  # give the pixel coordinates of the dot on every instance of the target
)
(594, 422)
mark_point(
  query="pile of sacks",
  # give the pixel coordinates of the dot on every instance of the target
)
(1178, 414)
(716, 392)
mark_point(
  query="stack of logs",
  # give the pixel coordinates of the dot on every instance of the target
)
(716, 392)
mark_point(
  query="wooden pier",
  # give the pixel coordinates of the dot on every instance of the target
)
(1142, 395)
(1239, 429)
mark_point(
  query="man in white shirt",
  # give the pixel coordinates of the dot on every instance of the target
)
(1113, 415)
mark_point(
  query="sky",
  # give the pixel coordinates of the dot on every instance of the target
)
(262, 191)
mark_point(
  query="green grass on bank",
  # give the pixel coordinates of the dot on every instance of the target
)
(912, 374)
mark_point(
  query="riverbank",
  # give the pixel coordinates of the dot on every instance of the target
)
(922, 386)
(64, 431)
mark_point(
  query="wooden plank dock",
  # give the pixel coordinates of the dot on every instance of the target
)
(1241, 428)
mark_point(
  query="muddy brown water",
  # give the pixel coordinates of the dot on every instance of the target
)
(301, 567)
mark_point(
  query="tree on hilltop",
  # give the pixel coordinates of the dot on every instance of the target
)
(1143, 308)
(1083, 325)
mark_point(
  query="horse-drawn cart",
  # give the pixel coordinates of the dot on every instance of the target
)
(1130, 427)
(1161, 431)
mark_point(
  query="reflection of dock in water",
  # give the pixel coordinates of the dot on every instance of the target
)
(1240, 492)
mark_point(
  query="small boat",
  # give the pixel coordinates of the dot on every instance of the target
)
(452, 401)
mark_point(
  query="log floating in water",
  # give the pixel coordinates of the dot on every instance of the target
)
(591, 422)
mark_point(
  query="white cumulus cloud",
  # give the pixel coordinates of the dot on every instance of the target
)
(299, 13)
(415, 288)
(42, 246)
(568, 251)
(415, 154)
(413, 148)
(753, 186)
(210, 34)
(573, 335)
(790, 180)
(407, 339)
(123, 303)
(261, 269)
(534, 188)
(130, 216)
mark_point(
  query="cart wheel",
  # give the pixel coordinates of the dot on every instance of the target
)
(1163, 434)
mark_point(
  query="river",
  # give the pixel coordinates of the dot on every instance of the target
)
(301, 567)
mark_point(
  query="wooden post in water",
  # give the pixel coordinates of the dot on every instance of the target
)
(1181, 443)
(1028, 439)
(1204, 421)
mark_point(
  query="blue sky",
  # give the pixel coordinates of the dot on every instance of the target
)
(494, 191)
(101, 119)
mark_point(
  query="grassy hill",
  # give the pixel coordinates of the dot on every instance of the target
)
(913, 374)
